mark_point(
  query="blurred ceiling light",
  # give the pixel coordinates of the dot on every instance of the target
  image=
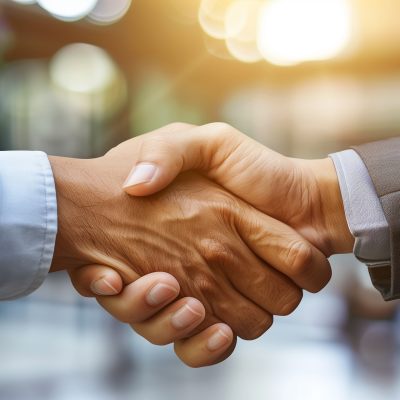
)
(25, 1)
(241, 21)
(108, 11)
(68, 10)
(212, 17)
(82, 68)
(293, 31)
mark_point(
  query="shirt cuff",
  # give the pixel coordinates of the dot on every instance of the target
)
(363, 210)
(28, 222)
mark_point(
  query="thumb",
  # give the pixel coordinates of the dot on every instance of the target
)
(165, 153)
(158, 164)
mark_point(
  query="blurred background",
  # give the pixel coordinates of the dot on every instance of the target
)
(304, 77)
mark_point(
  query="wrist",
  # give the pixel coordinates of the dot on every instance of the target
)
(335, 230)
(70, 198)
(91, 214)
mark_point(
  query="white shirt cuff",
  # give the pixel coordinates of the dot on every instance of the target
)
(363, 210)
(28, 222)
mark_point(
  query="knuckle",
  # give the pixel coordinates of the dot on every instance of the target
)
(204, 284)
(289, 302)
(216, 252)
(299, 257)
(255, 325)
(224, 130)
(221, 127)
(178, 126)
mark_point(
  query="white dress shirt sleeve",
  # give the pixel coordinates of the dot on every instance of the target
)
(28, 222)
(363, 210)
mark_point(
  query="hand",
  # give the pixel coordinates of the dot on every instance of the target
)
(304, 194)
(195, 230)
(145, 303)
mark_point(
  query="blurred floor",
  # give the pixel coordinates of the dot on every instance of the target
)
(58, 346)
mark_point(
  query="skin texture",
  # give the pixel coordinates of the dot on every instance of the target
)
(305, 194)
(194, 229)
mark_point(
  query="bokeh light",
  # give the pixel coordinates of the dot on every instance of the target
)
(293, 31)
(82, 68)
(69, 10)
(241, 30)
(108, 11)
(89, 76)
(243, 51)
(241, 20)
(212, 17)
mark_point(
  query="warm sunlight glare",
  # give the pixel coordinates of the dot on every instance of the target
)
(241, 30)
(293, 31)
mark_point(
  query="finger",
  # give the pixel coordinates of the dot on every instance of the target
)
(261, 283)
(96, 280)
(284, 249)
(225, 303)
(172, 323)
(209, 347)
(165, 153)
(143, 298)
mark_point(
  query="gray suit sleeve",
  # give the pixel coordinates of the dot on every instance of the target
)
(382, 160)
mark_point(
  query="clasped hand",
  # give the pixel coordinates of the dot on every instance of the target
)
(202, 256)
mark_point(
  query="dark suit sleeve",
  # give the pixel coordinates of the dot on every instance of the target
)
(382, 160)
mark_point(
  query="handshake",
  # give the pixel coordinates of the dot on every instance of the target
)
(210, 235)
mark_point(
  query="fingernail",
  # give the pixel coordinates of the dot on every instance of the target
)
(160, 293)
(142, 173)
(184, 317)
(103, 288)
(217, 340)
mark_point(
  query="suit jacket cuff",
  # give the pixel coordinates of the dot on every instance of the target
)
(363, 210)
